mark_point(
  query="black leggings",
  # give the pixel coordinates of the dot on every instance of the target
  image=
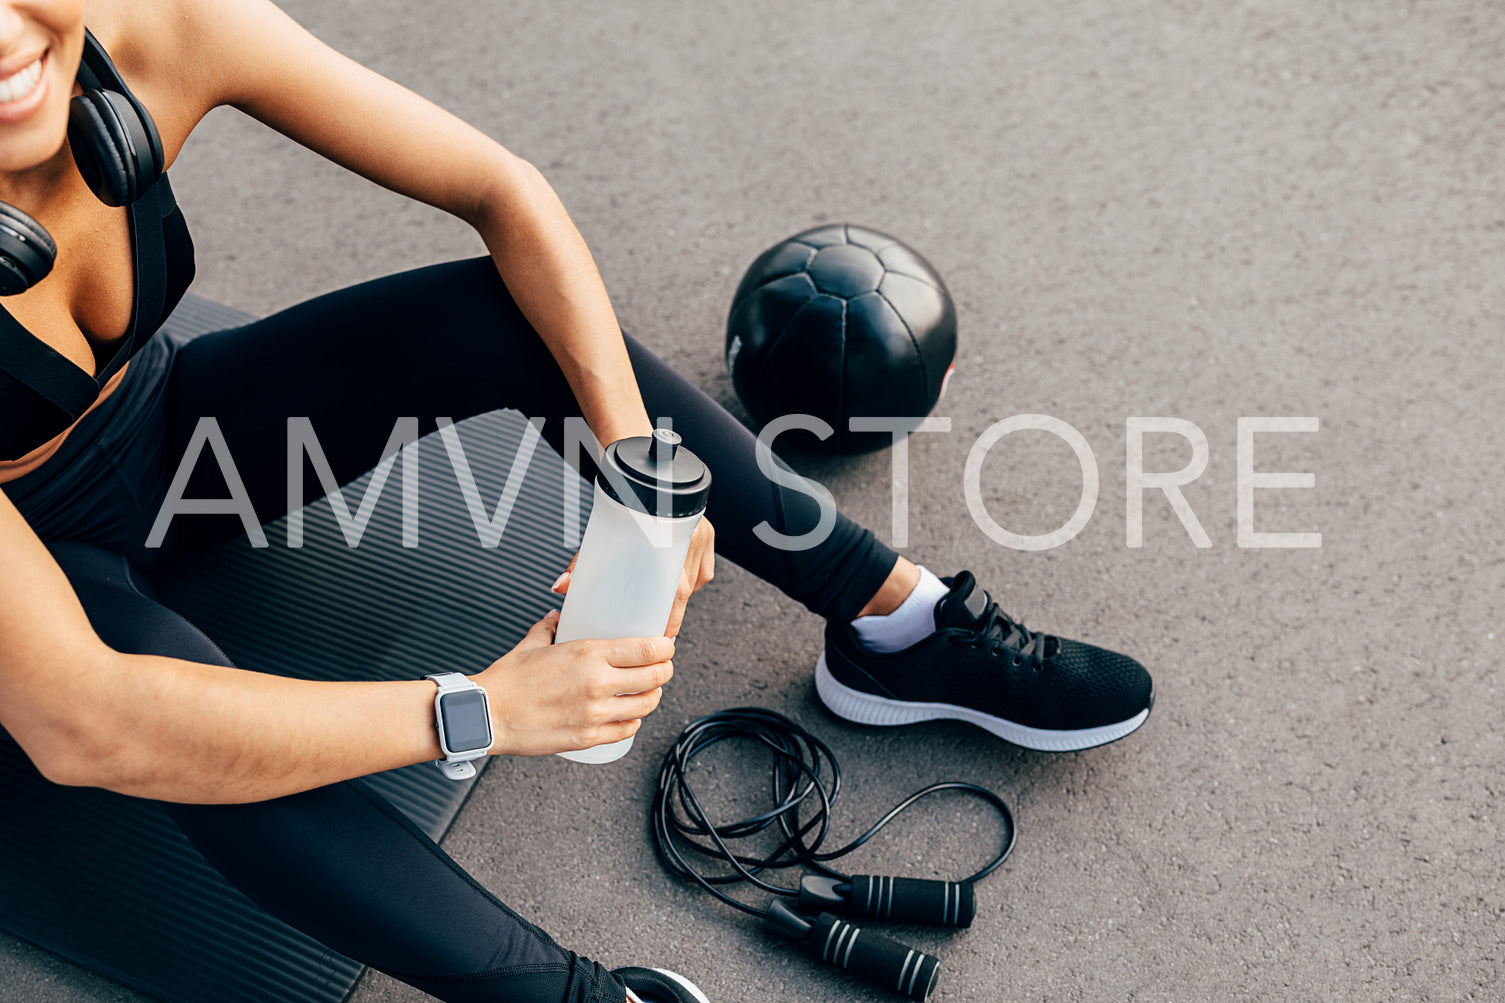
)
(340, 862)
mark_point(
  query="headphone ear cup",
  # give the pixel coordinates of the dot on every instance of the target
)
(99, 148)
(115, 146)
(26, 251)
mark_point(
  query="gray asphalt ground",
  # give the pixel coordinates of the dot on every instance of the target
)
(1159, 209)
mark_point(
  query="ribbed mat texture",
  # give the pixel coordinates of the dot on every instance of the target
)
(109, 882)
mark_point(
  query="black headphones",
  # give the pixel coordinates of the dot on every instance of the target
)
(118, 152)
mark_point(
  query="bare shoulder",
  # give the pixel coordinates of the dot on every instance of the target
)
(171, 52)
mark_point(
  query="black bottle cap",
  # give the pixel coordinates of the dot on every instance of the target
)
(655, 474)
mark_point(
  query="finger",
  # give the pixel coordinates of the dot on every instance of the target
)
(562, 583)
(676, 618)
(541, 634)
(628, 652)
(616, 731)
(631, 682)
(635, 706)
(704, 555)
(677, 611)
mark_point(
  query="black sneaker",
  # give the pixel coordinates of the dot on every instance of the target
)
(655, 985)
(1031, 689)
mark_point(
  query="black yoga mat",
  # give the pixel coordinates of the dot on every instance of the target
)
(108, 881)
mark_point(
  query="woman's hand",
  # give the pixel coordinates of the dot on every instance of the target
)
(700, 567)
(561, 698)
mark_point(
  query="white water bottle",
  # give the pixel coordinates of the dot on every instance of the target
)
(649, 497)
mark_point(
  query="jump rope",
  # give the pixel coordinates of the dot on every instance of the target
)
(806, 776)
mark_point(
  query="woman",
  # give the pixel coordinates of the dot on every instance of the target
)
(101, 685)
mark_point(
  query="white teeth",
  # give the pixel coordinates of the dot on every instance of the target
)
(21, 83)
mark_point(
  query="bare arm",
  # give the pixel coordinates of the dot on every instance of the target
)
(248, 54)
(164, 727)
(177, 730)
(181, 731)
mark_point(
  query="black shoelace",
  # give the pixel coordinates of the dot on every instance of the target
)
(997, 628)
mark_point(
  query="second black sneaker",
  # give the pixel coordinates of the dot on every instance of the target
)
(658, 985)
(1031, 689)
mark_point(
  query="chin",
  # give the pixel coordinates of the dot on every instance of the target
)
(41, 136)
(22, 150)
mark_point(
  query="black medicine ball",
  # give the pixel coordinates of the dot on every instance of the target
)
(836, 322)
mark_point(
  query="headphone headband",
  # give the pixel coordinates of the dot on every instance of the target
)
(97, 69)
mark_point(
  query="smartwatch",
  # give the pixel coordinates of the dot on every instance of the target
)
(464, 721)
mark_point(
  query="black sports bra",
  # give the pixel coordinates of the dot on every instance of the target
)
(42, 392)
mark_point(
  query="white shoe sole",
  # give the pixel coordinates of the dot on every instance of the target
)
(690, 987)
(865, 708)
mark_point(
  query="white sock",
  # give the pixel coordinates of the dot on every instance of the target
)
(913, 620)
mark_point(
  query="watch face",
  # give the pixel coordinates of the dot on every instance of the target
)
(467, 725)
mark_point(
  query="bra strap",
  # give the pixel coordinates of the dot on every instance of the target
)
(41, 368)
(149, 250)
(35, 364)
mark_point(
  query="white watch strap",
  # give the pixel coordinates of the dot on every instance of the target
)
(456, 771)
(452, 682)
